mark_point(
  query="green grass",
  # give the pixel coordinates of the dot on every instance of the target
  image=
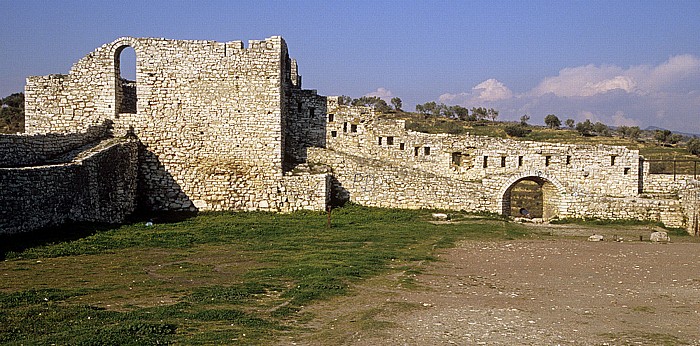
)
(217, 278)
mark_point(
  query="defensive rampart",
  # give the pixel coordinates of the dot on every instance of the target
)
(221, 126)
(100, 186)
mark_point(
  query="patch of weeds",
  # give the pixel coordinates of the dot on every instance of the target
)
(647, 309)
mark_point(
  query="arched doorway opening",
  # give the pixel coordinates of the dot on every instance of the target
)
(125, 74)
(539, 196)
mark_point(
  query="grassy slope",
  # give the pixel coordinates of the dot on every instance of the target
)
(647, 146)
(216, 278)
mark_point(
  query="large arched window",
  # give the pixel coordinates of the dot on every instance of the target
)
(125, 86)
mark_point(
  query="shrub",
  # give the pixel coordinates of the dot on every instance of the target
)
(517, 130)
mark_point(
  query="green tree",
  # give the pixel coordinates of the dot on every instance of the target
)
(12, 113)
(345, 100)
(662, 136)
(634, 132)
(460, 112)
(524, 119)
(693, 146)
(675, 138)
(552, 121)
(570, 123)
(585, 128)
(373, 102)
(396, 102)
(601, 129)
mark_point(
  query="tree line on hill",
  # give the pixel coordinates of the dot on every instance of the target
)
(12, 113)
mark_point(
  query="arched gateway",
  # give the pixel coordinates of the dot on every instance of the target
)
(540, 195)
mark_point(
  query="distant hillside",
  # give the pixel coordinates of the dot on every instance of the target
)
(645, 142)
(654, 128)
(12, 113)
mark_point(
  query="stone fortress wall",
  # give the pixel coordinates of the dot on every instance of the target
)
(378, 162)
(220, 126)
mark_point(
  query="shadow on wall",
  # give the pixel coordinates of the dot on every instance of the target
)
(339, 194)
(157, 188)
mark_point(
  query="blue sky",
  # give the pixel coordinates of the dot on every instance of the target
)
(619, 62)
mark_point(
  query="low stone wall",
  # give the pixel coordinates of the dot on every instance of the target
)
(100, 187)
(30, 150)
(668, 211)
(666, 183)
(377, 184)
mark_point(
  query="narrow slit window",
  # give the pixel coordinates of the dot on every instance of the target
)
(345, 127)
(331, 117)
(402, 146)
(457, 158)
(312, 110)
(520, 161)
(612, 160)
(568, 160)
(547, 160)
(486, 161)
(380, 141)
(426, 151)
(503, 161)
(299, 104)
(415, 151)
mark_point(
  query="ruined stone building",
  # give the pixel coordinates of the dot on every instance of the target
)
(220, 126)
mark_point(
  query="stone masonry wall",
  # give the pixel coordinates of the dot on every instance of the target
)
(99, 187)
(365, 153)
(210, 117)
(27, 150)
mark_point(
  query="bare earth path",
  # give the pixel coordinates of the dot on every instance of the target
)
(539, 292)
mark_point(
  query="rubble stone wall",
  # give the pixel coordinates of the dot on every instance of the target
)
(210, 117)
(19, 150)
(101, 187)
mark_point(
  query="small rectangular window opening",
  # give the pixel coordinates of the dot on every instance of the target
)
(547, 160)
(390, 140)
(415, 151)
(627, 170)
(426, 151)
(486, 161)
(457, 158)
(520, 161)
(568, 159)
(503, 161)
(612, 160)
(331, 117)
(402, 146)
(334, 133)
(353, 128)
(345, 127)
(311, 111)
(380, 141)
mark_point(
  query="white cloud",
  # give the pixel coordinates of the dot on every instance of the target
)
(492, 90)
(666, 95)
(619, 119)
(487, 91)
(382, 93)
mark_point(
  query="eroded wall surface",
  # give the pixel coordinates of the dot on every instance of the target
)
(210, 117)
(99, 187)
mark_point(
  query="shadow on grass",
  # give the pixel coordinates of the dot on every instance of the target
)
(72, 231)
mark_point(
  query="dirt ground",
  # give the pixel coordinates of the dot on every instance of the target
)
(563, 291)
